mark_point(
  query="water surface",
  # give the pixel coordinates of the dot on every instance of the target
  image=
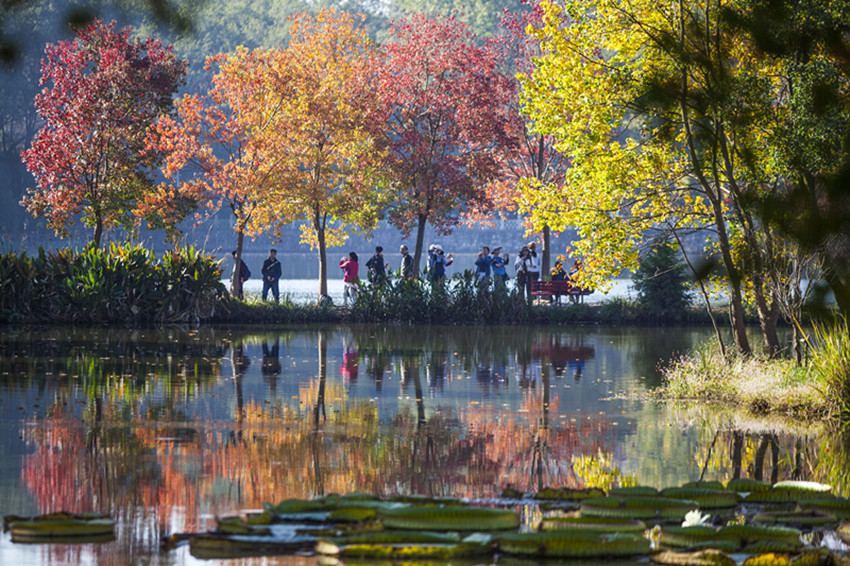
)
(166, 429)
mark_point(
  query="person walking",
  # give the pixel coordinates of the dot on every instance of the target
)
(350, 277)
(377, 267)
(271, 276)
(244, 274)
(406, 263)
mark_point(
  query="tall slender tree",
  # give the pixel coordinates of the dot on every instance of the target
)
(442, 93)
(322, 122)
(530, 160)
(104, 91)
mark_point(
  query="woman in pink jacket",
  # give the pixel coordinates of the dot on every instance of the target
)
(350, 277)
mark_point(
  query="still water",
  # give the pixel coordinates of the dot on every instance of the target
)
(166, 429)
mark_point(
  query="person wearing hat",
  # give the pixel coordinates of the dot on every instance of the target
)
(438, 262)
(500, 274)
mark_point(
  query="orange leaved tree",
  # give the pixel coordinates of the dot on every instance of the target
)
(319, 124)
(212, 160)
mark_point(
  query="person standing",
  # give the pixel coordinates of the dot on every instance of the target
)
(438, 262)
(350, 277)
(534, 265)
(500, 274)
(271, 275)
(377, 267)
(521, 265)
(482, 266)
(406, 263)
(244, 274)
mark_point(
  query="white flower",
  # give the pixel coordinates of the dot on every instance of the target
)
(695, 519)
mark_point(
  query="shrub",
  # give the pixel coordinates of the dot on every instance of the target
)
(831, 365)
(662, 285)
(459, 300)
(118, 284)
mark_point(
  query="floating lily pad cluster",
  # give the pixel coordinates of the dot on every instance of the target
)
(755, 522)
(744, 521)
(61, 527)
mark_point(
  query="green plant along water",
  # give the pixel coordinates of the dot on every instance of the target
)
(165, 430)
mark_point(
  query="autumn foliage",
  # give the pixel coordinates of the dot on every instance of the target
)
(441, 92)
(103, 90)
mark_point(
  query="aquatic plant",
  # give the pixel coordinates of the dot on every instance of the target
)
(831, 365)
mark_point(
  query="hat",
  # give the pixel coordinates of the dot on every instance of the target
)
(495, 251)
(438, 248)
(432, 247)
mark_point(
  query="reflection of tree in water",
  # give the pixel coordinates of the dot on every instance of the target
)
(131, 451)
(773, 455)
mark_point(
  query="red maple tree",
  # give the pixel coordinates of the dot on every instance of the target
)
(104, 90)
(442, 94)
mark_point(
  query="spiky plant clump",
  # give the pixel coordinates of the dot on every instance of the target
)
(831, 365)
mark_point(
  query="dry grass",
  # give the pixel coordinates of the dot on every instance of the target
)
(758, 385)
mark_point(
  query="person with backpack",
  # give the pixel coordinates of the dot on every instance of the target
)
(377, 268)
(244, 274)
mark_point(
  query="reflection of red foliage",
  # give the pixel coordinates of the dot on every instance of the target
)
(57, 474)
(349, 368)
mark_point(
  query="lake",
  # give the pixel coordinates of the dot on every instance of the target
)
(167, 429)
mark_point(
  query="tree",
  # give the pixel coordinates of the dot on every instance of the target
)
(530, 158)
(805, 45)
(210, 162)
(481, 16)
(661, 282)
(441, 93)
(107, 90)
(321, 122)
(658, 105)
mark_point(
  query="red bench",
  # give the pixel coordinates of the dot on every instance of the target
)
(558, 289)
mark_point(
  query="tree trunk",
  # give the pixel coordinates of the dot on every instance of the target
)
(98, 231)
(546, 257)
(323, 263)
(420, 239)
(768, 317)
(736, 309)
(235, 283)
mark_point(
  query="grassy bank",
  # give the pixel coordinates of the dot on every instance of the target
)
(817, 389)
(420, 307)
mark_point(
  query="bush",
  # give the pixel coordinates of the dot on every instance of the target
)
(831, 365)
(460, 300)
(119, 284)
(662, 285)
